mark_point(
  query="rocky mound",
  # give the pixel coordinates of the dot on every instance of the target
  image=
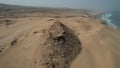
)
(60, 48)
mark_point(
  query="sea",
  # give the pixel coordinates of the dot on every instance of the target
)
(112, 19)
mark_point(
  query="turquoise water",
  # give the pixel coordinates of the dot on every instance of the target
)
(112, 19)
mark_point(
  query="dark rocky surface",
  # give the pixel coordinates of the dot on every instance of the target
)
(60, 48)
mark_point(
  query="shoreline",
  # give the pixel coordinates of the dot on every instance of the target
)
(105, 17)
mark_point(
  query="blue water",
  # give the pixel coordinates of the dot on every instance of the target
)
(112, 19)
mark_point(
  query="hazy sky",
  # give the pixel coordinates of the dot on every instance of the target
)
(91, 4)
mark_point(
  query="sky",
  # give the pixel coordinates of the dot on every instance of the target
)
(87, 4)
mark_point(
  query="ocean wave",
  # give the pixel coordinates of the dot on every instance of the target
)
(106, 18)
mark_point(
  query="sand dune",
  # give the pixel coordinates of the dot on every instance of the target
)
(20, 42)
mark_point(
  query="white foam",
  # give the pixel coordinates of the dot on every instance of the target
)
(106, 17)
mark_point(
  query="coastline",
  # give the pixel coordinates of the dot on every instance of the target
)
(21, 42)
(105, 17)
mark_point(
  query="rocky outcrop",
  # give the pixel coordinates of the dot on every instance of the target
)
(60, 48)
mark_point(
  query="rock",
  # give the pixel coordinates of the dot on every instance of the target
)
(14, 42)
(60, 48)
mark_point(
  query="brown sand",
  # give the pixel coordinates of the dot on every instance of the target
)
(19, 42)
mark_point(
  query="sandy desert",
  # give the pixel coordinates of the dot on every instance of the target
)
(56, 38)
